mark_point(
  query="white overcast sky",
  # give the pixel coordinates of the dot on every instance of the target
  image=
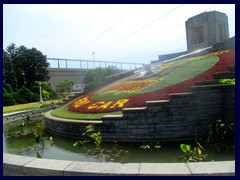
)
(114, 32)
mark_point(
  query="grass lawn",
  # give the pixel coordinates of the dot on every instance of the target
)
(22, 107)
(62, 112)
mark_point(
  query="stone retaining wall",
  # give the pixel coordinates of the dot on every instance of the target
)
(21, 115)
(178, 118)
(68, 128)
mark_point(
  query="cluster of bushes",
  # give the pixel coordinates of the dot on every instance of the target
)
(25, 95)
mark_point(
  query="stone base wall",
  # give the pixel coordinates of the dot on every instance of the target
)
(69, 128)
(179, 118)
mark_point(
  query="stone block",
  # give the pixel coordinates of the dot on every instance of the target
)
(96, 169)
(152, 120)
(109, 136)
(164, 169)
(140, 132)
(160, 127)
(179, 118)
(136, 121)
(15, 162)
(123, 131)
(195, 102)
(46, 167)
(121, 124)
(226, 168)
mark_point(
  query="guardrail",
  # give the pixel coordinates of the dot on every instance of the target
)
(91, 64)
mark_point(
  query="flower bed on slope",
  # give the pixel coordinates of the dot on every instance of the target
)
(172, 77)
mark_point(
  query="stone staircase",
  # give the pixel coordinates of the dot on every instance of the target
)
(217, 76)
(178, 117)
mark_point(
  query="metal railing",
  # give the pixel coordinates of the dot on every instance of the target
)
(91, 64)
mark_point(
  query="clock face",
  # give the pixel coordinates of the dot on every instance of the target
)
(153, 84)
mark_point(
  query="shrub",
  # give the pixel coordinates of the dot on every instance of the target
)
(19, 99)
(45, 86)
(227, 81)
(44, 105)
(8, 88)
(45, 95)
(4, 90)
(34, 97)
(8, 99)
(24, 95)
(53, 95)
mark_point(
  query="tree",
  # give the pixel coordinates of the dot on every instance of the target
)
(64, 86)
(23, 66)
(30, 65)
(9, 76)
(100, 75)
(100, 79)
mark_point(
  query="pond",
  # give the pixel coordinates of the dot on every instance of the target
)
(62, 148)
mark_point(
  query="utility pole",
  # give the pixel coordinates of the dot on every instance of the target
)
(94, 75)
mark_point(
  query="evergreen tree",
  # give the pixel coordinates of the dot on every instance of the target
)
(9, 76)
(32, 65)
(23, 66)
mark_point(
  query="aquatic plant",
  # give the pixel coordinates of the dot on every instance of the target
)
(92, 134)
(151, 146)
(222, 134)
(191, 155)
(38, 131)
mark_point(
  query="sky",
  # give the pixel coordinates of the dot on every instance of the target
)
(135, 33)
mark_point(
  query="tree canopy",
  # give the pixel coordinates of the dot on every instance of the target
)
(99, 75)
(23, 66)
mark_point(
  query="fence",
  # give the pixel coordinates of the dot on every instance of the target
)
(91, 64)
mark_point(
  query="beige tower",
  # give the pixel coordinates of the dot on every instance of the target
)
(206, 29)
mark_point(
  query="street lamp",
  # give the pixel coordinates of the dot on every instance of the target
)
(40, 87)
(94, 76)
(93, 55)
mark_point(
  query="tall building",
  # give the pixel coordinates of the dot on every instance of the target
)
(206, 29)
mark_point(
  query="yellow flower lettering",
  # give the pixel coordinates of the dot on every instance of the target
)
(81, 102)
(95, 105)
(119, 103)
(104, 106)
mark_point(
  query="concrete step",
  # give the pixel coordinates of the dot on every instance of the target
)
(231, 68)
(224, 75)
(207, 82)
